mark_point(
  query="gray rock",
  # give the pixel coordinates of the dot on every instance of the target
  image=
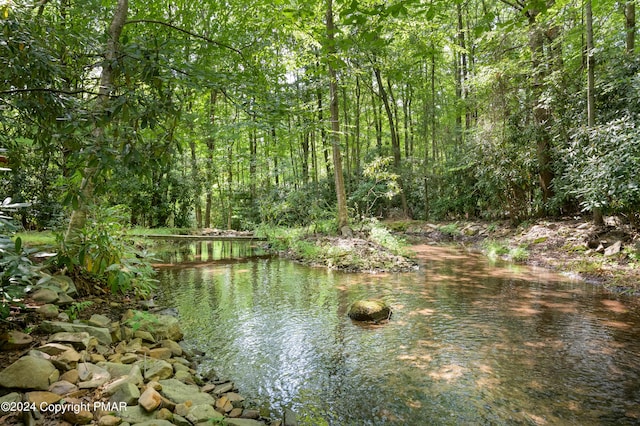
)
(62, 387)
(45, 295)
(155, 368)
(91, 376)
(179, 392)
(65, 284)
(369, 310)
(100, 333)
(128, 393)
(14, 339)
(48, 311)
(613, 249)
(98, 320)
(175, 348)
(243, 422)
(160, 326)
(10, 397)
(202, 413)
(81, 340)
(119, 370)
(135, 414)
(156, 422)
(64, 299)
(42, 374)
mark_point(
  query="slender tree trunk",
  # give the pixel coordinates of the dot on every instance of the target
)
(591, 101)
(630, 26)
(79, 214)
(343, 218)
(395, 142)
(356, 147)
(210, 164)
(195, 178)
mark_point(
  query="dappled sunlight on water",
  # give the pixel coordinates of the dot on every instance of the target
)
(468, 343)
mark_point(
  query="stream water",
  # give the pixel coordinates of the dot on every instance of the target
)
(468, 342)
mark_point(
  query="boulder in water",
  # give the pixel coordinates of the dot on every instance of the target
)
(369, 310)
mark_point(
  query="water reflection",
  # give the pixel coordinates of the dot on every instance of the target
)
(469, 343)
(193, 253)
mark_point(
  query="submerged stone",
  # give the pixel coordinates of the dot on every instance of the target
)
(369, 310)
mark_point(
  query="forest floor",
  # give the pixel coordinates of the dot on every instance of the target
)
(607, 256)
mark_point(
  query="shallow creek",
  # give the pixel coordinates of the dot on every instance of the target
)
(468, 343)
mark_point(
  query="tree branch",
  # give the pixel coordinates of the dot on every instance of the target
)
(44, 89)
(182, 30)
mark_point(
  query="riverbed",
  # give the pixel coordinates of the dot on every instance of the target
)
(469, 342)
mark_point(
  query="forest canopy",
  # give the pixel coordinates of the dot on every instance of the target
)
(231, 114)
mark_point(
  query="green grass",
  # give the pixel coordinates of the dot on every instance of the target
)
(37, 239)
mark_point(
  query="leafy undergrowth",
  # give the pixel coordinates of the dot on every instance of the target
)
(372, 248)
(572, 246)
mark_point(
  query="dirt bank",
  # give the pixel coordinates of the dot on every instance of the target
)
(607, 256)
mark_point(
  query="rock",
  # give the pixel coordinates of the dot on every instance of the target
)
(48, 311)
(236, 400)
(202, 413)
(13, 339)
(150, 399)
(369, 310)
(45, 295)
(223, 388)
(65, 284)
(155, 368)
(82, 417)
(144, 335)
(223, 404)
(179, 392)
(43, 398)
(290, 418)
(7, 400)
(160, 353)
(98, 320)
(160, 326)
(80, 340)
(242, 422)
(63, 387)
(71, 376)
(102, 334)
(135, 414)
(127, 393)
(155, 422)
(250, 414)
(109, 420)
(613, 248)
(119, 370)
(42, 374)
(64, 299)
(174, 347)
(91, 376)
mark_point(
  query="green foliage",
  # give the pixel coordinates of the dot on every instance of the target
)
(76, 307)
(379, 185)
(602, 165)
(138, 318)
(104, 253)
(309, 204)
(450, 229)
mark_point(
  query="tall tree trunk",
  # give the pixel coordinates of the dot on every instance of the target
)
(343, 218)
(541, 113)
(356, 144)
(210, 164)
(630, 26)
(591, 77)
(395, 142)
(79, 214)
(196, 183)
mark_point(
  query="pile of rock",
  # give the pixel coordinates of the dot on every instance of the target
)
(104, 372)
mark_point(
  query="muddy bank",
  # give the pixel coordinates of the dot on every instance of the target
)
(607, 256)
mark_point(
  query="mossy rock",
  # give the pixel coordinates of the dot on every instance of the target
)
(369, 310)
